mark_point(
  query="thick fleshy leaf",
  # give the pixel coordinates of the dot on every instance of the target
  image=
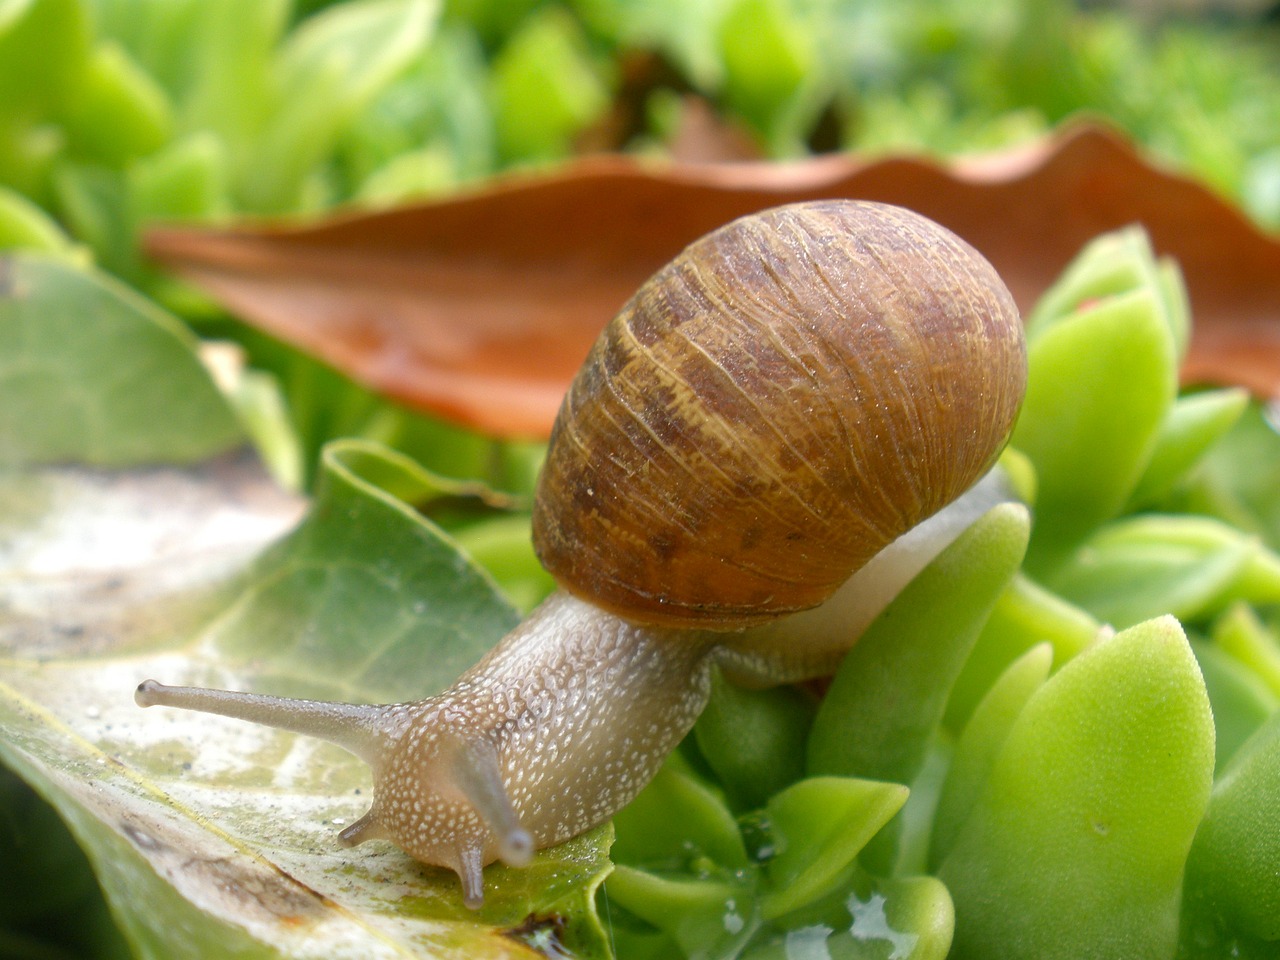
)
(1092, 803)
(1025, 615)
(1144, 566)
(1100, 383)
(481, 306)
(868, 918)
(1238, 478)
(819, 826)
(754, 740)
(887, 700)
(676, 821)
(1242, 634)
(1233, 873)
(1193, 425)
(1241, 701)
(211, 835)
(699, 915)
(979, 745)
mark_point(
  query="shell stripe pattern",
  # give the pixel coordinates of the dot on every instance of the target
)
(781, 401)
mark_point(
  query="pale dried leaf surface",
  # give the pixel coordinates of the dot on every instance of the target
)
(207, 834)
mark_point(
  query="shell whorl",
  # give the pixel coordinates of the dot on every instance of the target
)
(778, 403)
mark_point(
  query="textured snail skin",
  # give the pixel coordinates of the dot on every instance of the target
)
(772, 410)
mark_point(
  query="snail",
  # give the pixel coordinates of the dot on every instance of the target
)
(769, 412)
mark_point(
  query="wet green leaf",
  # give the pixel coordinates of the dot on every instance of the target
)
(868, 918)
(677, 821)
(700, 915)
(819, 826)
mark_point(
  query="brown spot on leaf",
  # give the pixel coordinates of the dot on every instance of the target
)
(544, 933)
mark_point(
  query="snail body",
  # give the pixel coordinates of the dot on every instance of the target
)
(771, 411)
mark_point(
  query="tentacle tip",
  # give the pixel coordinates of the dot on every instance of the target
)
(516, 848)
(149, 693)
(366, 828)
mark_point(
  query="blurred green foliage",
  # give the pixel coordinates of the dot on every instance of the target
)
(118, 113)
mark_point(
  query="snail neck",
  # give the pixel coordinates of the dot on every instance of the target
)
(581, 697)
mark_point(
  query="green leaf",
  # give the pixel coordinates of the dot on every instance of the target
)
(91, 371)
(754, 740)
(52, 906)
(1093, 801)
(819, 826)
(339, 604)
(94, 203)
(502, 545)
(214, 836)
(1192, 567)
(701, 915)
(188, 180)
(330, 68)
(1099, 386)
(768, 54)
(980, 743)
(43, 48)
(1242, 634)
(118, 112)
(887, 700)
(867, 918)
(24, 226)
(1238, 478)
(1194, 424)
(1025, 614)
(544, 88)
(1110, 266)
(1241, 701)
(677, 822)
(223, 48)
(1233, 873)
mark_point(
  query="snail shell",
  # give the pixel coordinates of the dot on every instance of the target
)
(786, 397)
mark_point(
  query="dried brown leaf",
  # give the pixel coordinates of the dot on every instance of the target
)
(480, 307)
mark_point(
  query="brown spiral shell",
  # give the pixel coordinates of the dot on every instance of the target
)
(791, 393)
